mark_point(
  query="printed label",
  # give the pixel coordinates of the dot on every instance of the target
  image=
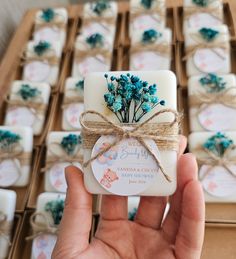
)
(50, 34)
(57, 176)
(37, 71)
(126, 169)
(217, 117)
(200, 20)
(43, 246)
(218, 182)
(22, 116)
(145, 22)
(73, 113)
(209, 60)
(9, 172)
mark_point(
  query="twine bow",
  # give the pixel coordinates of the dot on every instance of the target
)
(40, 228)
(213, 11)
(5, 227)
(138, 132)
(214, 160)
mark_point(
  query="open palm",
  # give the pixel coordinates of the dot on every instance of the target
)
(179, 235)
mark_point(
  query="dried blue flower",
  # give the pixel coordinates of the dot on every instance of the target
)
(48, 15)
(132, 214)
(109, 99)
(8, 139)
(218, 144)
(56, 209)
(150, 36)
(26, 92)
(208, 34)
(146, 107)
(201, 3)
(80, 85)
(213, 83)
(70, 143)
(95, 40)
(42, 47)
(147, 3)
(101, 6)
(152, 89)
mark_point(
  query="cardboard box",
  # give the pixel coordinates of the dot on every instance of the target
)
(228, 20)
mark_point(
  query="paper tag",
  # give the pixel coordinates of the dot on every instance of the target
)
(20, 116)
(73, 113)
(217, 117)
(57, 176)
(37, 71)
(219, 182)
(200, 20)
(209, 60)
(145, 22)
(148, 61)
(93, 64)
(43, 246)
(8, 172)
(50, 34)
(126, 169)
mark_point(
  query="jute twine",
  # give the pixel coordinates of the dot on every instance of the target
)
(68, 100)
(5, 227)
(56, 22)
(139, 10)
(213, 11)
(46, 227)
(81, 55)
(164, 134)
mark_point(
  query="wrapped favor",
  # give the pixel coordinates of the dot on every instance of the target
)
(216, 156)
(101, 10)
(51, 25)
(16, 144)
(7, 211)
(41, 62)
(151, 50)
(63, 149)
(207, 51)
(73, 103)
(130, 133)
(27, 105)
(92, 54)
(45, 222)
(212, 102)
(146, 15)
(202, 13)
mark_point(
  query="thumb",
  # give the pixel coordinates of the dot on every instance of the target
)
(75, 225)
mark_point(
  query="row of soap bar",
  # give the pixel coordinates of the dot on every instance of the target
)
(150, 39)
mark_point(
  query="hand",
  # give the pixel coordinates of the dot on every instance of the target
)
(179, 235)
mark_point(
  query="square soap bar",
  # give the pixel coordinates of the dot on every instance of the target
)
(102, 175)
(196, 17)
(151, 50)
(218, 114)
(73, 103)
(42, 62)
(28, 104)
(52, 206)
(16, 143)
(211, 148)
(51, 25)
(7, 211)
(216, 58)
(63, 148)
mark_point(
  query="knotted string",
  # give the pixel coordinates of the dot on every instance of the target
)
(138, 132)
(40, 228)
(139, 10)
(5, 227)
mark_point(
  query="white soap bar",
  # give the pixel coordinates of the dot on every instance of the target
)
(133, 203)
(138, 5)
(16, 170)
(97, 9)
(215, 116)
(21, 115)
(46, 71)
(7, 209)
(146, 59)
(48, 240)
(55, 176)
(73, 104)
(202, 19)
(208, 60)
(94, 100)
(217, 181)
(51, 29)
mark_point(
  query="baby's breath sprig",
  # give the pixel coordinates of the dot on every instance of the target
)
(208, 34)
(8, 139)
(213, 83)
(130, 98)
(202, 3)
(42, 47)
(48, 14)
(100, 6)
(70, 142)
(56, 208)
(146, 3)
(27, 92)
